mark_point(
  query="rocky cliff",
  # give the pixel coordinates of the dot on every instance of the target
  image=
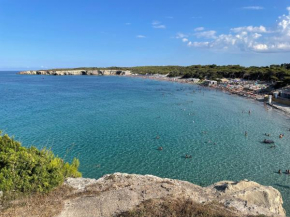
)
(121, 192)
(76, 72)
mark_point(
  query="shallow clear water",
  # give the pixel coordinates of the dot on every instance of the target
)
(111, 125)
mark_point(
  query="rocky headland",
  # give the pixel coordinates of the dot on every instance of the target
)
(76, 72)
(119, 192)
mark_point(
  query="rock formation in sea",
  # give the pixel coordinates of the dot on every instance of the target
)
(76, 72)
(120, 192)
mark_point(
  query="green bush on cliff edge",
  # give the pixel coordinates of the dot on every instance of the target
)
(31, 170)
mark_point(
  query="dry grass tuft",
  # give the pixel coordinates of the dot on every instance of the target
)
(44, 205)
(181, 207)
(37, 204)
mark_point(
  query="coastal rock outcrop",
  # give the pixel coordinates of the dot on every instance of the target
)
(121, 192)
(76, 72)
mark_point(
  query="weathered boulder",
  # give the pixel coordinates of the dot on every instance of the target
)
(120, 192)
(249, 197)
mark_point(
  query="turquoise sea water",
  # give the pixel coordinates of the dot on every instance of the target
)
(111, 125)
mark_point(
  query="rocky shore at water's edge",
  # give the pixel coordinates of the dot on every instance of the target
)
(76, 72)
(120, 192)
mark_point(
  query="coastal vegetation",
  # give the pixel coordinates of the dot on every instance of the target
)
(168, 207)
(277, 73)
(29, 170)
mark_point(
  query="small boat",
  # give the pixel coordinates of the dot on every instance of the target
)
(267, 141)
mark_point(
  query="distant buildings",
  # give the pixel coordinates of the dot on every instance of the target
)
(210, 83)
(285, 92)
(193, 80)
(282, 95)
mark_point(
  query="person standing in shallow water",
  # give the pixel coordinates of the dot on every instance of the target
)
(246, 133)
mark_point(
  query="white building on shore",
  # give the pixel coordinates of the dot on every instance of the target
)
(210, 83)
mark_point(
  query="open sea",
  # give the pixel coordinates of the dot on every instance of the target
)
(116, 124)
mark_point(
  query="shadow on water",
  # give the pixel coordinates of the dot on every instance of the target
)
(282, 186)
(280, 173)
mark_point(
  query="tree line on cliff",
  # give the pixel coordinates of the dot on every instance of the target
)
(264, 73)
(214, 72)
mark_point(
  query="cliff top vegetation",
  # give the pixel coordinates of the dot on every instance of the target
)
(280, 73)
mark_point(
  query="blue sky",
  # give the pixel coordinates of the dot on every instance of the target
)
(38, 34)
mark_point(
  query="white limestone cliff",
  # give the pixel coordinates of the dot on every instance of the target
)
(121, 192)
(76, 72)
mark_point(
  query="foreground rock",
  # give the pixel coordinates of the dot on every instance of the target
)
(121, 192)
(76, 72)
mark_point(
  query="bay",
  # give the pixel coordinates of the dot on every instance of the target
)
(116, 124)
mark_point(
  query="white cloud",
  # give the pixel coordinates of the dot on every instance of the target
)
(260, 47)
(198, 44)
(257, 35)
(206, 34)
(246, 38)
(155, 22)
(181, 35)
(258, 29)
(157, 25)
(141, 36)
(185, 40)
(199, 29)
(253, 8)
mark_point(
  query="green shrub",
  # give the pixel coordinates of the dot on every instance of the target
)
(31, 170)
